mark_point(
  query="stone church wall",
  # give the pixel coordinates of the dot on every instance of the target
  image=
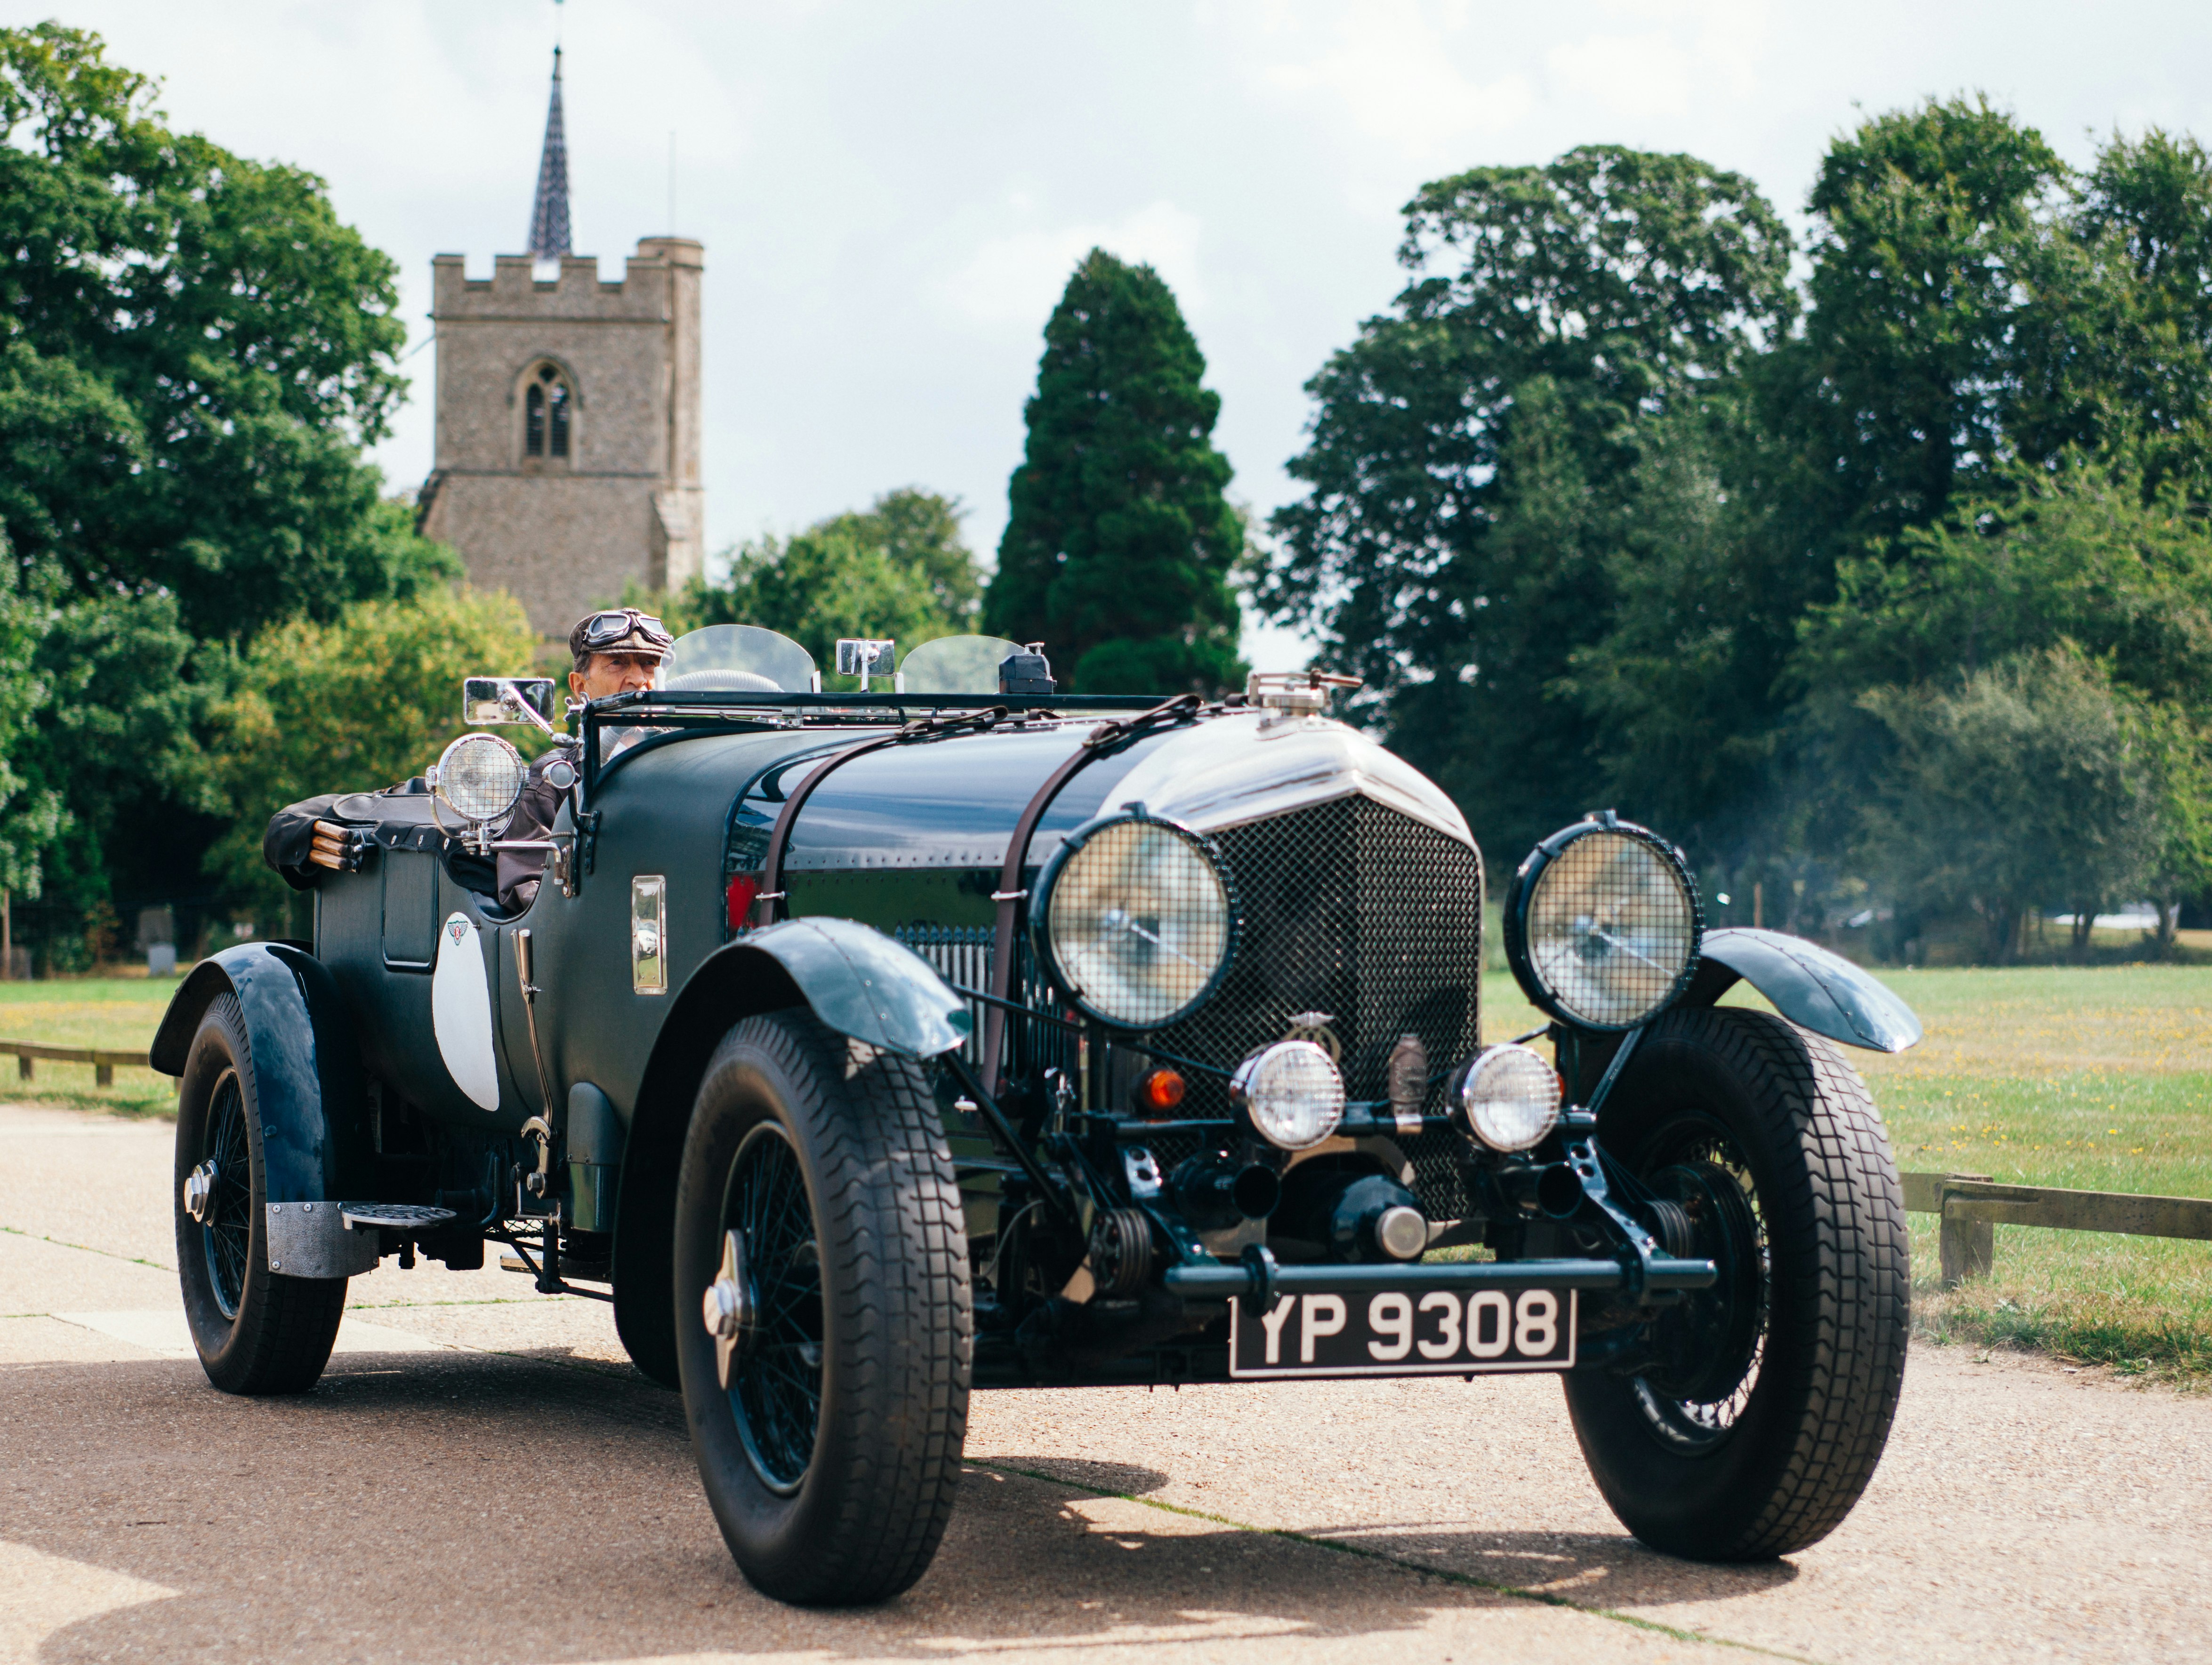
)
(565, 535)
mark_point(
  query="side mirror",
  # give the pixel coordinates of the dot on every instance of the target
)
(865, 657)
(486, 700)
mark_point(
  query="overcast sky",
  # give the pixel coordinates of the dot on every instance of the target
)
(891, 196)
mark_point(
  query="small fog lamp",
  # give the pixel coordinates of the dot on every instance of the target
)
(1509, 1098)
(1292, 1093)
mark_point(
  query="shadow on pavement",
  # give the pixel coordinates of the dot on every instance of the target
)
(464, 1506)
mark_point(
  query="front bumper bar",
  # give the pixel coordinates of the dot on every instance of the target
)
(1219, 1283)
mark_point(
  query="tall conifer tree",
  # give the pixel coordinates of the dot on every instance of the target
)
(1119, 541)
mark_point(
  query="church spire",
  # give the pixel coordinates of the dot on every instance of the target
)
(549, 215)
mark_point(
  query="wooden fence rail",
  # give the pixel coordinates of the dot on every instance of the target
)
(103, 1061)
(1973, 1205)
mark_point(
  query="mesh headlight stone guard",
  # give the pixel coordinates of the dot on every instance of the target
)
(1602, 922)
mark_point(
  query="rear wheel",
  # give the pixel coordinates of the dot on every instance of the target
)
(256, 1330)
(1761, 1420)
(822, 1311)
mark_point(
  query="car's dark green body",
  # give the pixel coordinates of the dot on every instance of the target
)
(784, 934)
(1361, 894)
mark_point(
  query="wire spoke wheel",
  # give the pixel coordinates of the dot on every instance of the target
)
(1712, 1346)
(1753, 1416)
(256, 1330)
(775, 1383)
(823, 1322)
(227, 1232)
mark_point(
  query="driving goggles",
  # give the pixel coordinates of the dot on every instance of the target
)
(603, 629)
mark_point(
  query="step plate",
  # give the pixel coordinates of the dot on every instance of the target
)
(395, 1216)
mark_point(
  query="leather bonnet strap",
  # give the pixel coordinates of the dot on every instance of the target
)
(766, 902)
(1102, 741)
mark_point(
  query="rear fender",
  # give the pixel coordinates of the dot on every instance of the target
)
(306, 1067)
(1810, 986)
(858, 981)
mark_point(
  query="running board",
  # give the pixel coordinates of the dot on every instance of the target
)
(341, 1239)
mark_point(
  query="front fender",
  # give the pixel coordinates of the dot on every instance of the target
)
(858, 981)
(863, 984)
(307, 1068)
(1810, 986)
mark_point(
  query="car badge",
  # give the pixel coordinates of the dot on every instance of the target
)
(1314, 1026)
(1409, 1083)
(456, 929)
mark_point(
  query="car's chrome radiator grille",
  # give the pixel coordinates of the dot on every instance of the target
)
(1357, 913)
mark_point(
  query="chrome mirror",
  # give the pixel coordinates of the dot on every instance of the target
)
(865, 657)
(489, 699)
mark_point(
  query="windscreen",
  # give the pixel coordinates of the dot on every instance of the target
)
(739, 656)
(955, 665)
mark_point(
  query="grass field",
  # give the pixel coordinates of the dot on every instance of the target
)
(2097, 1079)
(119, 1012)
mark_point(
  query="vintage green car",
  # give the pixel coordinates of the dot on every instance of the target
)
(865, 1048)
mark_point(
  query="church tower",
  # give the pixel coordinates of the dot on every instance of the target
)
(567, 413)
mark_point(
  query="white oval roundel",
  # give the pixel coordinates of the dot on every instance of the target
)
(461, 1012)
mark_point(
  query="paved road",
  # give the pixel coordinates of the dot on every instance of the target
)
(480, 1476)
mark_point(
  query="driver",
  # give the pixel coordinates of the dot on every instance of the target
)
(616, 650)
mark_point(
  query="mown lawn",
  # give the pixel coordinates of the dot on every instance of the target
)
(121, 1012)
(2093, 1079)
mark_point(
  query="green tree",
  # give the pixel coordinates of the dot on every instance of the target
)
(32, 817)
(919, 533)
(355, 705)
(899, 569)
(1931, 248)
(2073, 553)
(2146, 207)
(1119, 541)
(1479, 457)
(2030, 782)
(193, 352)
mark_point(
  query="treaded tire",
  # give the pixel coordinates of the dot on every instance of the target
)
(1811, 1428)
(862, 1521)
(278, 1335)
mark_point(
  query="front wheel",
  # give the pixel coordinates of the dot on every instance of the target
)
(822, 1311)
(1760, 1421)
(256, 1330)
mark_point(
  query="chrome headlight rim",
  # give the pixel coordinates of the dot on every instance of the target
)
(1465, 1096)
(441, 773)
(1526, 885)
(1055, 868)
(1303, 1053)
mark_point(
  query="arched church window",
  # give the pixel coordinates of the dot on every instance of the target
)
(546, 412)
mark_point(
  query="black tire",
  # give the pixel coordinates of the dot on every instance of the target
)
(830, 1158)
(256, 1330)
(1763, 1424)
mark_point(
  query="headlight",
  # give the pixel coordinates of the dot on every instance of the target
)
(1509, 1098)
(1292, 1093)
(1601, 924)
(1134, 921)
(480, 776)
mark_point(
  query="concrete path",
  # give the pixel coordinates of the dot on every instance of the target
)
(481, 1477)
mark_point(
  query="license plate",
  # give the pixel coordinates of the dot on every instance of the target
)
(1399, 1333)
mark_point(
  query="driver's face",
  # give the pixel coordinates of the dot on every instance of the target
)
(608, 673)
